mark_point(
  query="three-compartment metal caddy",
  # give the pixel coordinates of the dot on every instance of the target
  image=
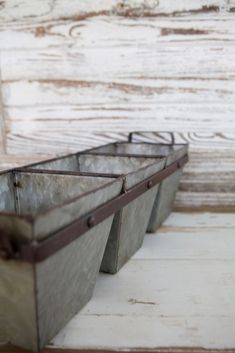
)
(64, 219)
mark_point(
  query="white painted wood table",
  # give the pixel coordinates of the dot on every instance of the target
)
(177, 291)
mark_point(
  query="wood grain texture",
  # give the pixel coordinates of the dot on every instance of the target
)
(83, 9)
(12, 11)
(81, 75)
(155, 8)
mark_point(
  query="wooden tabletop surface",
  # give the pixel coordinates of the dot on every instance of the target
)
(176, 294)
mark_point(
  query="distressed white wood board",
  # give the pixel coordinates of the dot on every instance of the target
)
(47, 9)
(74, 75)
(133, 60)
(18, 35)
(177, 291)
(51, 86)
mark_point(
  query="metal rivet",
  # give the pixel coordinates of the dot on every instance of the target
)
(91, 221)
(149, 184)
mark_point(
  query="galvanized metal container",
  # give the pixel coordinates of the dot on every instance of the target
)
(130, 222)
(174, 147)
(50, 250)
(167, 190)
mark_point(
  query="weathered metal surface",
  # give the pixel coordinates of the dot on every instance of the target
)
(34, 306)
(53, 201)
(6, 192)
(68, 162)
(39, 251)
(163, 204)
(37, 207)
(167, 190)
(17, 304)
(134, 217)
(130, 224)
(127, 232)
(37, 299)
(65, 281)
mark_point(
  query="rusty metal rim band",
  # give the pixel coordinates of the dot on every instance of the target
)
(39, 251)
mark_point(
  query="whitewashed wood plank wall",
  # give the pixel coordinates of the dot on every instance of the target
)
(85, 72)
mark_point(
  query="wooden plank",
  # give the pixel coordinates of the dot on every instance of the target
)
(133, 332)
(205, 220)
(176, 292)
(211, 200)
(133, 8)
(59, 95)
(40, 141)
(162, 288)
(121, 103)
(166, 245)
(208, 179)
(83, 9)
(57, 119)
(48, 9)
(127, 94)
(158, 303)
(63, 33)
(148, 61)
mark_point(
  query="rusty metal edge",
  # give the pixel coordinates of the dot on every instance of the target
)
(78, 173)
(67, 172)
(30, 218)
(88, 150)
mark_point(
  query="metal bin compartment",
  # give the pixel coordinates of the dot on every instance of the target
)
(50, 252)
(168, 187)
(130, 222)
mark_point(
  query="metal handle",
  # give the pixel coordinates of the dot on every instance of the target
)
(130, 136)
(172, 138)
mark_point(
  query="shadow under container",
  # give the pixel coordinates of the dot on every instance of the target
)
(49, 259)
(164, 200)
(131, 221)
